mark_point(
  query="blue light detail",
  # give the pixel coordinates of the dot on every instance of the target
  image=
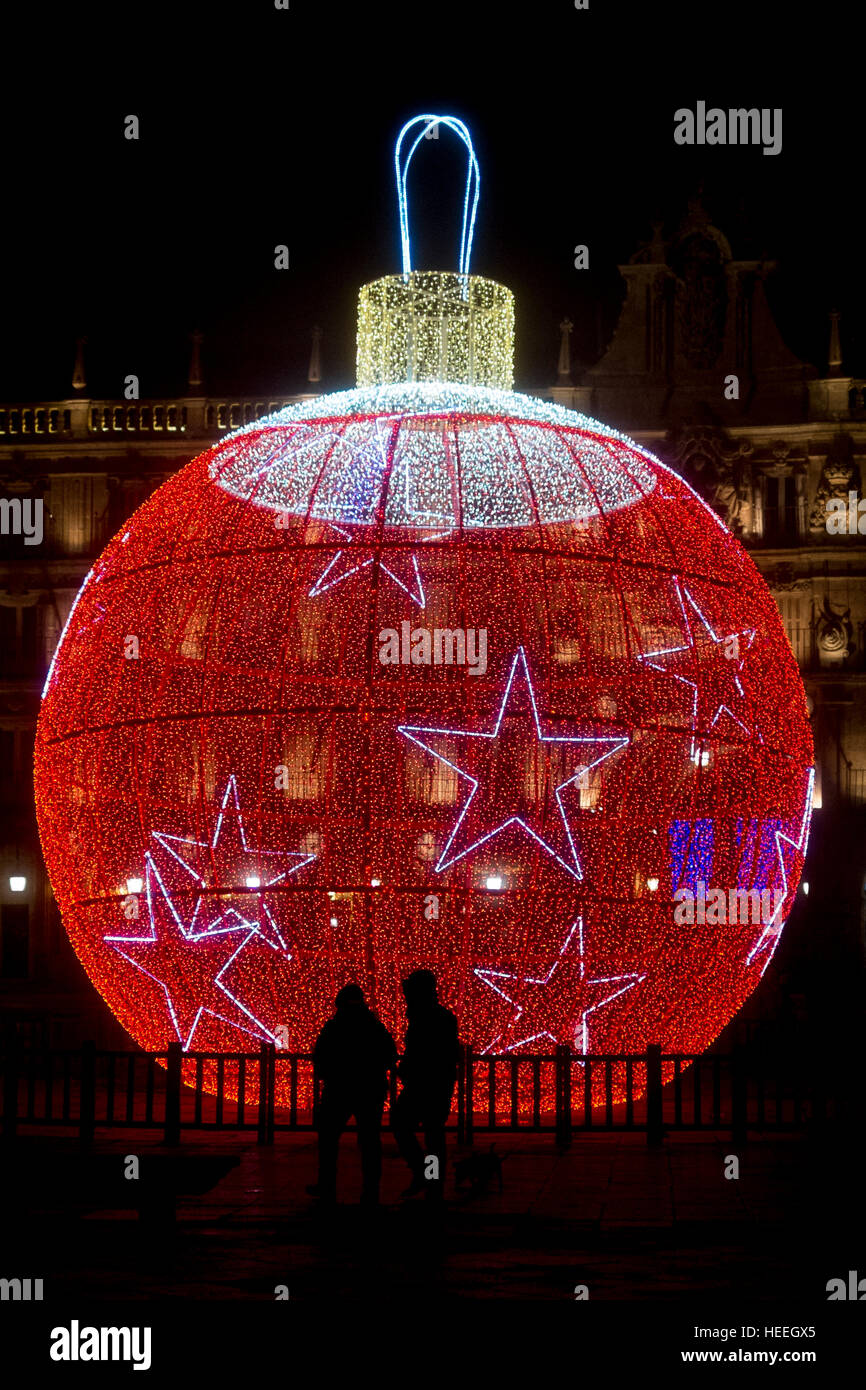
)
(473, 184)
(758, 856)
(691, 849)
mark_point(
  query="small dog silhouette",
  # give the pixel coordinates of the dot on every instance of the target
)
(479, 1170)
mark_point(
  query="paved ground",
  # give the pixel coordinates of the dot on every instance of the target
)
(630, 1223)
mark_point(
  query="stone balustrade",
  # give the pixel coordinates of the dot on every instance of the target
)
(86, 420)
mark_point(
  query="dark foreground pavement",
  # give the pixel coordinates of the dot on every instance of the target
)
(628, 1222)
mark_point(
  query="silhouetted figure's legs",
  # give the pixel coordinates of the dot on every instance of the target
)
(405, 1118)
(435, 1115)
(431, 1112)
(428, 1070)
(334, 1115)
(369, 1118)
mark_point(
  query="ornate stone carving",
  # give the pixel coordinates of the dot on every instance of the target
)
(20, 479)
(718, 470)
(780, 452)
(839, 476)
(781, 577)
(701, 302)
(834, 633)
(651, 252)
(698, 258)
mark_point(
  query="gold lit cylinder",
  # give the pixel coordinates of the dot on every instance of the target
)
(436, 326)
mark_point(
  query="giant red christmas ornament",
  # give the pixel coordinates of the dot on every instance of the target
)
(427, 673)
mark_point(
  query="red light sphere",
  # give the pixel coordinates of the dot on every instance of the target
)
(425, 676)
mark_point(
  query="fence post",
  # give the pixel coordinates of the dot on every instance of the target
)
(468, 1120)
(172, 1094)
(654, 1126)
(563, 1095)
(10, 1082)
(87, 1094)
(262, 1136)
(272, 1089)
(738, 1094)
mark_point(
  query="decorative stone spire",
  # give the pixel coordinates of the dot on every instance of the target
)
(315, 372)
(834, 356)
(651, 252)
(79, 381)
(563, 372)
(194, 379)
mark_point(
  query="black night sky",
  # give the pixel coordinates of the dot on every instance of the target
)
(261, 127)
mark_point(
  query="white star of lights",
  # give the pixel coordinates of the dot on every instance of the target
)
(190, 966)
(785, 845)
(402, 569)
(719, 674)
(226, 870)
(540, 1012)
(457, 847)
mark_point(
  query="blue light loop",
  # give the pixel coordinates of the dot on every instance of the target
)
(471, 192)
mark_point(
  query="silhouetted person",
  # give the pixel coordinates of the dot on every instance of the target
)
(428, 1072)
(353, 1054)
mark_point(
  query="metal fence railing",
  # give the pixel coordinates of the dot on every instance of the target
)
(559, 1093)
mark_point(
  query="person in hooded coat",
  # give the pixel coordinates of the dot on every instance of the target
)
(353, 1055)
(428, 1071)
